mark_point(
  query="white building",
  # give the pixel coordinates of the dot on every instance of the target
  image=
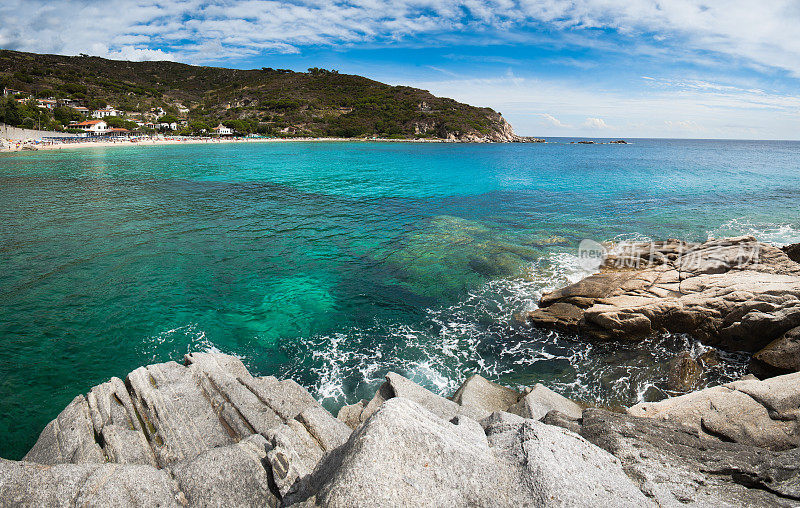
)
(102, 113)
(221, 130)
(95, 127)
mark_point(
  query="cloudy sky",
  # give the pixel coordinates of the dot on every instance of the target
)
(600, 68)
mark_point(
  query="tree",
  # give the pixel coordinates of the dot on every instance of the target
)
(96, 104)
(198, 127)
(65, 115)
(11, 115)
(120, 123)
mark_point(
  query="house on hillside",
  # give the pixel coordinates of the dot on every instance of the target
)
(102, 113)
(221, 130)
(82, 110)
(173, 126)
(47, 103)
(94, 127)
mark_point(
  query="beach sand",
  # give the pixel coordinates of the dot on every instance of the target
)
(15, 146)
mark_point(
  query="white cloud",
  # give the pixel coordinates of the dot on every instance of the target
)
(595, 123)
(758, 35)
(716, 111)
(555, 122)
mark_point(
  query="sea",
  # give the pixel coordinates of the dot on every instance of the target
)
(334, 263)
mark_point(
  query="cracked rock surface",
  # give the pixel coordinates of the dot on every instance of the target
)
(208, 433)
(736, 294)
(760, 413)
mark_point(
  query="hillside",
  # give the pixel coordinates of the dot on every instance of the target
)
(266, 101)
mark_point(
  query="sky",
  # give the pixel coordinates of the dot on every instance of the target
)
(594, 68)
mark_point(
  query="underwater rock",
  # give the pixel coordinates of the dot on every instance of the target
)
(683, 373)
(736, 294)
(449, 255)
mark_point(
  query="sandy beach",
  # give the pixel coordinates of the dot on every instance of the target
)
(35, 145)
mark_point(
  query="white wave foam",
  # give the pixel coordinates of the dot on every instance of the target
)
(477, 335)
(775, 233)
(178, 341)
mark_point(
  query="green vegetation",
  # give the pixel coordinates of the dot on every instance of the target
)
(267, 101)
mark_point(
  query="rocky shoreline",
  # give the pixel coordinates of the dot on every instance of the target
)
(208, 433)
(735, 294)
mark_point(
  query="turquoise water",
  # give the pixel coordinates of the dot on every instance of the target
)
(336, 262)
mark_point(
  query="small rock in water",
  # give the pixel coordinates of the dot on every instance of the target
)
(684, 373)
(709, 359)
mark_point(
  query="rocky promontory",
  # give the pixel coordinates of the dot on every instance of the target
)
(208, 433)
(736, 294)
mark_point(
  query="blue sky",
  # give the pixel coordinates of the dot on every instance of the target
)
(598, 68)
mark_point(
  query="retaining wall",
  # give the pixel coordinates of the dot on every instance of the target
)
(8, 132)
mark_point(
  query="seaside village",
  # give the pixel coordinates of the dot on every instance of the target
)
(62, 120)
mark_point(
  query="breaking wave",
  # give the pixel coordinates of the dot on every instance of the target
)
(480, 334)
(778, 234)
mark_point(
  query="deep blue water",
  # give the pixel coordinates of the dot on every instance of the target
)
(336, 262)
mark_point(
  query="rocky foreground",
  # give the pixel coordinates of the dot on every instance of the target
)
(736, 294)
(208, 433)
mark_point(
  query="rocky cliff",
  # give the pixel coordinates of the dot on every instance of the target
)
(208, 433)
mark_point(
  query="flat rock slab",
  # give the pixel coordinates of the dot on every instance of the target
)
(759, 413)
(674, 466)
(737, 294)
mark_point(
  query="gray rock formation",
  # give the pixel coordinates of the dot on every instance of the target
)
(760, 413)
(29, 484)
(398, 386)
(736, 293)
(516, 462)
(541, 400)
(481, 393)
(207, 433)
(213, 433)
(781, 356)
(674, 466)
